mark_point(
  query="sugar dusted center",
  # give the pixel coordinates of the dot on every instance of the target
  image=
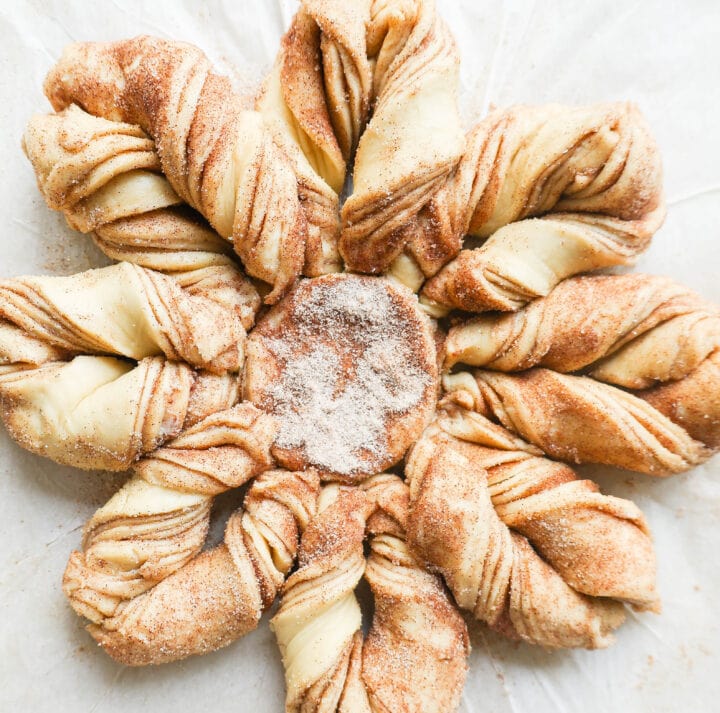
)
(348, 365)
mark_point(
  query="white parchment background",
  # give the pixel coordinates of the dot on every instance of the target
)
(665, 56)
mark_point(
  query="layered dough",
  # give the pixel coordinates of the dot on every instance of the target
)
(125, 310)
(105, 176)
(555, 190)
(656, 339)
(316, 101)
(524, 544)
(104, 413)
(140, 579)
(219, 158)
(414, 656)
(348, 365)
(580, 420)
(220, 595)
(270, 179)
(413, 140)
(631, 330)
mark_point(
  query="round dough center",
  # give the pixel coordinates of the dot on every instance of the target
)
(348, 365)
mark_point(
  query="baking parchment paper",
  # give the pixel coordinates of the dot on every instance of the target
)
(663, 55)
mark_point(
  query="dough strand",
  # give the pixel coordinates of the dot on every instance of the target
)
(523, 543)
(414, 656)
(555, 190)
(105, 176)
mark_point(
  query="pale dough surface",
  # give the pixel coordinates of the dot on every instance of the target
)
(661, 56)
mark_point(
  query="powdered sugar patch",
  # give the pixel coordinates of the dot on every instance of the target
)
(348, 367)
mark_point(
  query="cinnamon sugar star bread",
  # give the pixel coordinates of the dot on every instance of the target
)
(145, 365)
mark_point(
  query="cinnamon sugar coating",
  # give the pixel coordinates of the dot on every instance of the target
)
(105, 176)
(219, 158)
(157, 523)
(580, 420)
(348, 366)
(414, 656)
(401, 163)
(526, 546)
(218, 595)
(631, 330)
(556, 190)
(101, 411)
(104, 413)
(657, 339)
(123, 310)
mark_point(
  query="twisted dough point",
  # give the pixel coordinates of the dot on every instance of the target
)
(414, 657)
(580, 420)
(692, 402)
(593, 173)
(126, 310)
(104, 413)
(218, 158)
(316, 101)
(221, 594)
(496, 574)
(599, 544)
(105, 177)
(631, 330)
(139, 537)
(159, 520)
(414, 139)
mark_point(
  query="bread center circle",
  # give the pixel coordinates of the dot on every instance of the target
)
(348, 366)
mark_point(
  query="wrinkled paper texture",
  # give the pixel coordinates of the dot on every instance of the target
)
(665, 56)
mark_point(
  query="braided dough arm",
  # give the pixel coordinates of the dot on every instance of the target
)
(599, 544)
(219, 159)
(414, 618)
(400, 164)
(103, 413)
(414, 656)
(158, 521)
(595, 171)
(693, 402)
(598, 158)
(525, 260)
(322, 84)
(580, 420)
(318, 624)
(492, 572)
(631, 330)
(142, 535)
(316, 100)
(125, 310)
(105, 177)
(221, 594)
